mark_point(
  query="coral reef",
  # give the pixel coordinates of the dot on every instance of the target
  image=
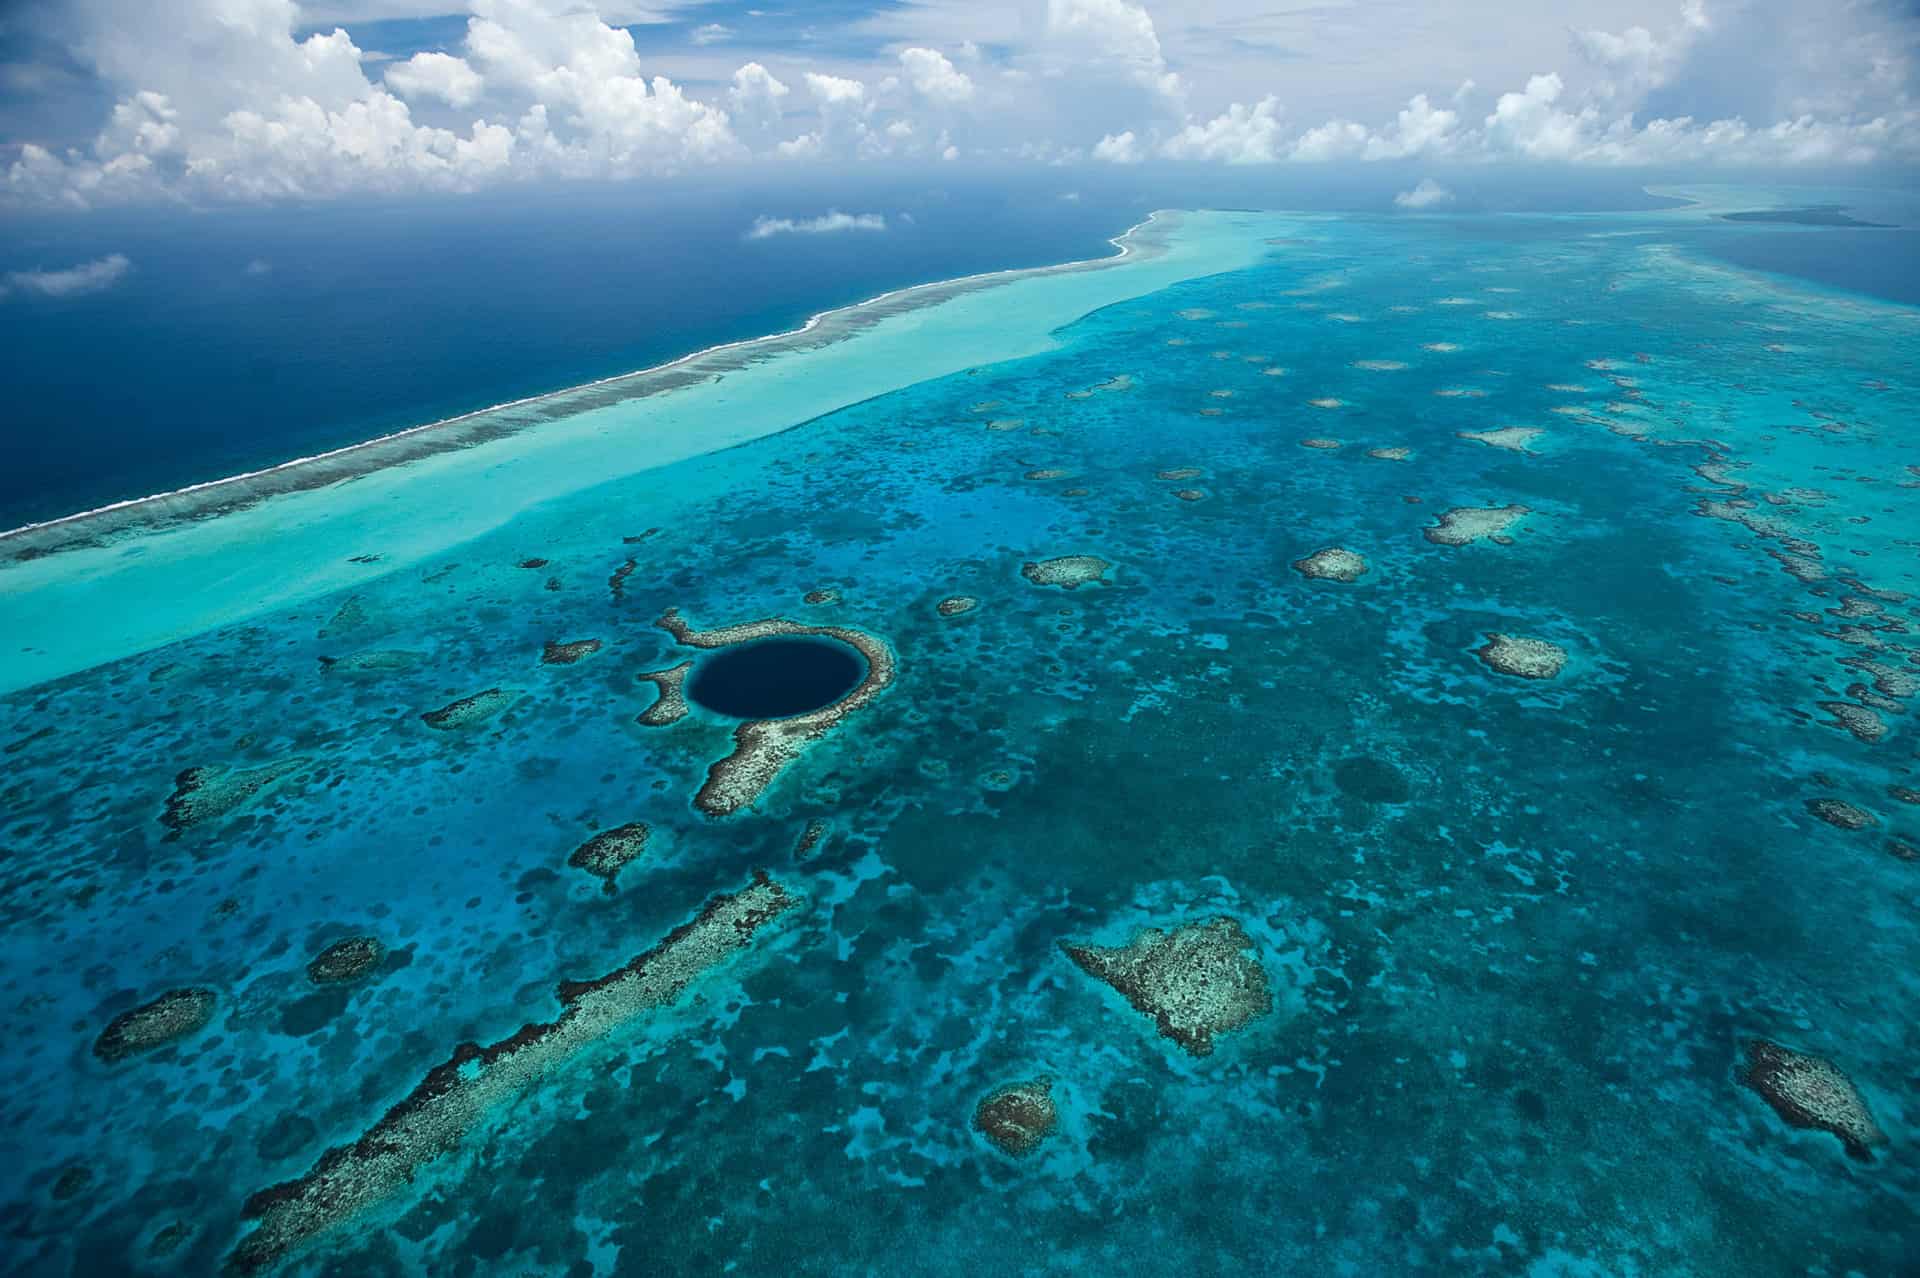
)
(1197, 981)
(810, 837)
(565, 654)
(1190, 494)
(346, 960)
(671, 705)
(1810, 1092)
(1390, 454)
(1123, 382)
(762, 747)
(1522, 657)
(477, 708)
(456, 1096)
(1332, 564)
(1514, 439)
(954, 605)
(1045, 473)
(208, 793)
(1018, 1117)
(172, 1016)
(617, 582)
(607, 852)
(350, 615)
(1857, 719)
(1840, 813)
(1069, 572)
(371, 662)
(1464, 525)
(1179, 473)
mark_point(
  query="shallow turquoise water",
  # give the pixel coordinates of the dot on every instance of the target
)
(1516, 931)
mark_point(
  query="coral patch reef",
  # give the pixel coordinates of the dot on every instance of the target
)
(208, 793)
(1811, 1092)
(607, 852)
(1464, 525)
(1198, 981)
(1522, 657)
(458, 1095)
(1017, 1118)
(1334, 563)
(346, 960)
(467, 711)
(1069, 572)
(172, 1016)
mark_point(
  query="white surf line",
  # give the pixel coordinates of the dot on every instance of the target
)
(1122, 242)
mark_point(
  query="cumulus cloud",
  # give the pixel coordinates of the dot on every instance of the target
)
(1428, 194)
(267, 99)
(88, 277)
(756, 98)
(935, 78)
(435, 75)
(1242, 135)
(224, 100)
(1420, 129)
(826, 224)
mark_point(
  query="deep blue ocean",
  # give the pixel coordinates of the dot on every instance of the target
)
(244, 338)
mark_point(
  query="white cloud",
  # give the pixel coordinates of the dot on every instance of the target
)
(756, 98)
(1419, 129)
(1635, 61)
(844, 108)
(88, 277)
(1428, 194)
(1334, 140)
(935, 78)
(1117, 34)
(218, 99)
(1242, 135)
(1119, 148)
(826, 224)
(438, 76)
(1531, 124)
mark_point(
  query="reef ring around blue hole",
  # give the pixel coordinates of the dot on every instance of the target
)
(775, 678)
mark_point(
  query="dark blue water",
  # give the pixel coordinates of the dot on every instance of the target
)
(1878, 262)
(775, 678)
(243, 338)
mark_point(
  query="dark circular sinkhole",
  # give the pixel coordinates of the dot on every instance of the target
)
(776, 678)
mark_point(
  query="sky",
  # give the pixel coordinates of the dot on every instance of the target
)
(114, 102)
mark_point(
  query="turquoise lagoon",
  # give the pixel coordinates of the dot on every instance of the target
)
(1515, 934)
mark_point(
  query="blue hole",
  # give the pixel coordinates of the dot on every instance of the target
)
(775, 678)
